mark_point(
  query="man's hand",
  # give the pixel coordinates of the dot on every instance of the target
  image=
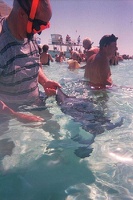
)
(50, 87)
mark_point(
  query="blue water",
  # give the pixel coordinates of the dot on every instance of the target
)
(59, 159)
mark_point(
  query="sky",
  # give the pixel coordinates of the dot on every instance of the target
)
(93, 19)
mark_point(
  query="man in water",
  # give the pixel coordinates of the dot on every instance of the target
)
(89, 50)
(20, 71)
(97, 70)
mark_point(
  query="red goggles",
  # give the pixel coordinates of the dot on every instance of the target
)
(34, 25)
(39, 25)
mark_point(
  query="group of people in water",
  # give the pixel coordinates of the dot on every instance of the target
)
(21, 60)
(81, 56)
(97, 60)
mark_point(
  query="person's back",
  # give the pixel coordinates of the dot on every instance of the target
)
(97, 70)
(45, 57)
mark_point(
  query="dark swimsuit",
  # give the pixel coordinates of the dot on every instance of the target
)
(48, 63)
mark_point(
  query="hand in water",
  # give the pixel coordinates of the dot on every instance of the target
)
(50, 87)
(27, 117)
(4, 109)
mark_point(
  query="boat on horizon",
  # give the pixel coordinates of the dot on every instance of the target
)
(57, 44)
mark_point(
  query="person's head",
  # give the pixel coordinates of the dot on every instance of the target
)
(87, 43)
(32, 16)
(45, 48)
(76, 56)
(109, 44)
(61, 53)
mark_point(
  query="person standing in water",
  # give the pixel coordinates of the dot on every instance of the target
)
(97, 70)
(45, 57)
(89, 50)
(60, 57)
(20, 71)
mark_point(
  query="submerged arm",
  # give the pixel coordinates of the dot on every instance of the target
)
(4, 109)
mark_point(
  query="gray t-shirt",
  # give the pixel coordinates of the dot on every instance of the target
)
(19, 65)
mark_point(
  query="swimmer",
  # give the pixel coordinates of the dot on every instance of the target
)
(61, 57)
(74, 62)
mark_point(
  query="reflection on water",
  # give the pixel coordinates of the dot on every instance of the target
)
(86, 153)
(113, 167)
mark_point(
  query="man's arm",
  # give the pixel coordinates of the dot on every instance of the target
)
(105, 73)
(4, 109)
(48, 85)
(83, 67)
(87, 69)
(51, 59)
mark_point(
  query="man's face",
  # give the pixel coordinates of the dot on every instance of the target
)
(112, 48)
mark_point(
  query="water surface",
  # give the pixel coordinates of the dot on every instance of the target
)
(59, 159)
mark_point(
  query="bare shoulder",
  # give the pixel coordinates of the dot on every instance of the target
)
(94, 50)
(92, 58)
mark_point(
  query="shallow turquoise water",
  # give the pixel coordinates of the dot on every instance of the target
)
(59, 159)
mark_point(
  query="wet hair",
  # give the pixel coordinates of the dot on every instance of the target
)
(107, 40)
(45, 48)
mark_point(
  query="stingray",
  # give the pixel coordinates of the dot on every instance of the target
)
(88, 114)
(85, 111)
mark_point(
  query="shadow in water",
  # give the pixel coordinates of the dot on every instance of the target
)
(45, 178)
(6, 147)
